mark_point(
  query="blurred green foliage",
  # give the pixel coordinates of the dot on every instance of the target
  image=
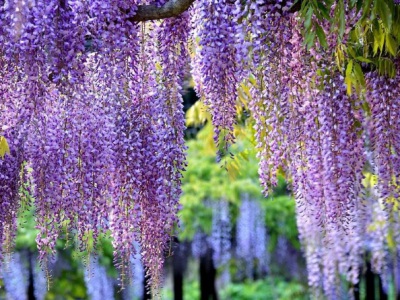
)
(280, 220)
(271, 288)
(67, 281)
(207, 180)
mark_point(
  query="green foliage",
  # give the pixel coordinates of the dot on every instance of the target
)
(271, 288)
(311, 13)
(26, 232)
(280, 220)
(197, 115)
(206, 179)
(191, 290)
(67, 283)
(371, 38)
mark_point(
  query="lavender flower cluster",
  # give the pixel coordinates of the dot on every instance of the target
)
(221, 232)
(219, 240)
(215, 66)
(309, 128)
(99, 285)
(84, 101)
(15, 276)
(252, 238)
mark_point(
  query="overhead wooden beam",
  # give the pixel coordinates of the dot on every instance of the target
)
(172, 8)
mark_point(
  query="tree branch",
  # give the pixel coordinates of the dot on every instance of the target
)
(172, 8)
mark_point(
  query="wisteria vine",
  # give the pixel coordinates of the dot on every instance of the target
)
(92, 100)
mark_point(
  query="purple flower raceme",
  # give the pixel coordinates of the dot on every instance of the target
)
(383, 98)
(173, 56)
(268, 29)
(326, 162)
(99, 285)
(376, 236)
(15, 121)
(220, 238)
(15, 276)
(382, 134)
(95, 135)
(53, 154)
(251, 235)
(150, 151)
(215, 64)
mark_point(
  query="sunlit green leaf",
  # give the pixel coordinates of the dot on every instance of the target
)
(385, 67)
(363, 59)
(4, 148)
(348, 77)
(391, 45)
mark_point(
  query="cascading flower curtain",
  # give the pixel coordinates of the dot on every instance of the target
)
(91, 99)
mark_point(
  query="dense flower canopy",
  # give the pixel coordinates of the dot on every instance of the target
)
(91, 107)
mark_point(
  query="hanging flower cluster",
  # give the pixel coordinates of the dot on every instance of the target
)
(269, 103)
(252, 238)
(328, 137)
(220, 238)
(16, 276)
(310, 129)
(84, 101)
(248, 243)
(215, 64)
(98, 284)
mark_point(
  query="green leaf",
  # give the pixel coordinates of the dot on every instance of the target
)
(339, 56)
(309, 40)
(366, 8)
(385, 67)
(323, 10)
(391, 44)
(363, 59)
(321, 36)
(349, 68)
(4, 148)
(351, 51)
(359, 74)
(378, 36)
(384, 13)
(349, 76)
(342, 20)
(308, 18)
